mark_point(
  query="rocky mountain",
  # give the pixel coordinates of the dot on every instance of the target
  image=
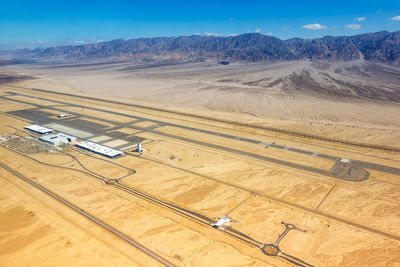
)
(381, 47)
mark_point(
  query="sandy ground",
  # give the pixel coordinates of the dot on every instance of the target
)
(254, 176)
(129, 216)
(240, 88)
(35, 233)
(335, 214)
(254, 148)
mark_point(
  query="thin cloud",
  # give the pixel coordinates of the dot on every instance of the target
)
(258, 30)
(211, 34)
(79, 42)
(269, 33)
(396, 18)
(353, 26)
(359, 19)
(315, 26)
(40, 42)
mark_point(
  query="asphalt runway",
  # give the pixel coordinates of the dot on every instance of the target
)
(354, 171)
(223, 121)
(337, 170)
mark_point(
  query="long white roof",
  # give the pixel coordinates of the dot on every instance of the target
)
(38, 129)
(99, 148)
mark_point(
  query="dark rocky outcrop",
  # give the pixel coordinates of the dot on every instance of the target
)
(381, 47)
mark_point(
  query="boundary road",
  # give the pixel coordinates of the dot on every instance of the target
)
(91, 217)
(206, 221)
(195, 216)
(370, 165)
(191, 215)
(286, 203)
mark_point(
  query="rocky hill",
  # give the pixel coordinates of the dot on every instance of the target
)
(381, 47)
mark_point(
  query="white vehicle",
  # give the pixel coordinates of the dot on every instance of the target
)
(63, 115)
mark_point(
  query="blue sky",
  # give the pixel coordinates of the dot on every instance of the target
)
(36, 23)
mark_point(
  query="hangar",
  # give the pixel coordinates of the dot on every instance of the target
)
(38, 129)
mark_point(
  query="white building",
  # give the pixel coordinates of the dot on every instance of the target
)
(58, 138)
(221, 222)
(139, 148)
(344, 160)
(38, 129)
(100, 149)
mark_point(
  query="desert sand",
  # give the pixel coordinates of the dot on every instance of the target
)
(338, 222)
(240, 87)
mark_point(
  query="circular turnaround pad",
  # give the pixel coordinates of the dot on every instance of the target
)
(270, 250)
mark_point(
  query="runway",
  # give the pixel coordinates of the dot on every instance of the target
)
(353, 171)
(229, 122)
(358, 172)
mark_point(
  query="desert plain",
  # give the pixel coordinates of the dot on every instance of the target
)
(306, 177)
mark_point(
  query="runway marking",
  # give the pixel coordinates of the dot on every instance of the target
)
(370, 165)
(304, 135)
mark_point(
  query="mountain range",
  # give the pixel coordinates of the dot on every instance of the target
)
(383, 47)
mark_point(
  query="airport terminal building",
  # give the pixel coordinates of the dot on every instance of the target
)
(58, 139)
